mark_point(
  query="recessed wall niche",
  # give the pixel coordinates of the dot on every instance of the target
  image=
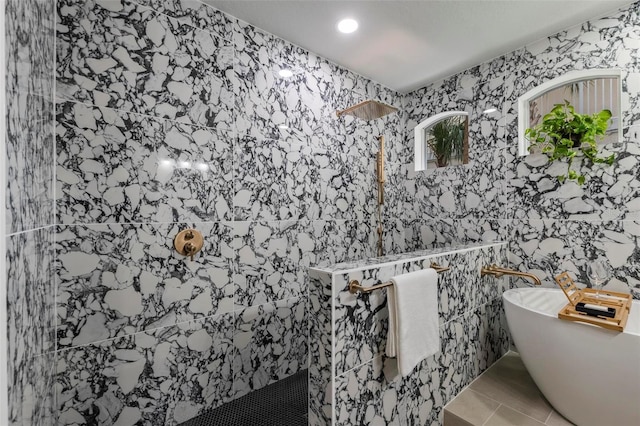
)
(589, 91)
(442, 140)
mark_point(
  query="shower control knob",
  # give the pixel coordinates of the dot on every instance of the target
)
(188, 242)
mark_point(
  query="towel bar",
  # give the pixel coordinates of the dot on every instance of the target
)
(354, 285)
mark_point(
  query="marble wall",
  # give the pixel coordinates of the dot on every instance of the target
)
(352, 382)
(552, 227)
(29, 170)
(170, 114)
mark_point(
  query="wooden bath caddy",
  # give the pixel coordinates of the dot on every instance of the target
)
(621, 302)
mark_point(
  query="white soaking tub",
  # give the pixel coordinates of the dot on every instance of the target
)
(589, 374)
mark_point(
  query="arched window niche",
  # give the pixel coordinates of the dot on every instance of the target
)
(442, 140)
(589, 91)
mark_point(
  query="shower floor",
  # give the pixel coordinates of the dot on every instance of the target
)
(283, 403)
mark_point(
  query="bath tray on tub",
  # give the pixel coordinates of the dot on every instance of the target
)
(609, 299)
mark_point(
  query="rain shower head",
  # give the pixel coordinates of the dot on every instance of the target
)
(368, 110)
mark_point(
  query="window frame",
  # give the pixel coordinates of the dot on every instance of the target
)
(563, 80)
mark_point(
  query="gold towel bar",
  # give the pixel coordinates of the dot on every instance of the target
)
(354, 285)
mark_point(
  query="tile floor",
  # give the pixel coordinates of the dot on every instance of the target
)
(504, 395)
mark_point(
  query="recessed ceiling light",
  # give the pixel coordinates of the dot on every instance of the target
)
(347, 25)
(489, 110)
(285, 73)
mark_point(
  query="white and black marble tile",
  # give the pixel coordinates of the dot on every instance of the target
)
(483, 193)
(31, 326)
(344, 240)
(384, 398)
(436, 193)
(29, 44)
(272, 260)
(29, 161)
(361, 320)
(124, 167)
(272, 180)
(548, 247)
(270, 343)
(362, 137)
(114, 280)
(196, 14)
(30, 294)
(399, 201)
(615, 190)
(488, 336)
(343, 187)
(374, 393)
(455, 357)
(430, 233)
(320, 348)
(249, 37)
(536, 191)
(125, 56)
(265, 100)
(30, 390)
(306, 103)
(599, 43)
(160, 377)
(393, 236)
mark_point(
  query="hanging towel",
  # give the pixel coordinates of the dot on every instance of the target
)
(413, 318)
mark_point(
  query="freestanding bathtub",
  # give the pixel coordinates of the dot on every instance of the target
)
(589, 374)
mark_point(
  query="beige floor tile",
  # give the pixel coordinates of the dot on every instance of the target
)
(453, 420)
(509, 383)
(472, 407)
(557, 420)
(505, 416)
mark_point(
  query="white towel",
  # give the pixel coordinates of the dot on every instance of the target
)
(413, 318)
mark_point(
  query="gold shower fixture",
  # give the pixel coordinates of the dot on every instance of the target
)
(188, 242)
(368, 110)
(371, 110)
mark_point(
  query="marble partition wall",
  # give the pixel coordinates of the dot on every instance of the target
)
(29, 175)
(551, 227)
(352, 382)
(169, 115)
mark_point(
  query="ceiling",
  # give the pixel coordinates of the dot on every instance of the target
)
(407, 44)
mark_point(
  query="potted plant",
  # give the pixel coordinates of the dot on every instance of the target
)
(446, 140)
(563, 133)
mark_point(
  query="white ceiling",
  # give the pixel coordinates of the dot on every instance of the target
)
(406, 44)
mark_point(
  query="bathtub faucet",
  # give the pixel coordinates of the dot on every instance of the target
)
(497, 272)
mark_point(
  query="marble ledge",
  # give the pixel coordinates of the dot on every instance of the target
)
(397, 259)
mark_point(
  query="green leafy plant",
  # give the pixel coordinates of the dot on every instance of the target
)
(563, 132)
(446, 140)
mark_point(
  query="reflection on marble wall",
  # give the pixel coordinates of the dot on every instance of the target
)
(348, 356)
(123, 167)
(552, 227)
(169, 114)
(29, 171)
